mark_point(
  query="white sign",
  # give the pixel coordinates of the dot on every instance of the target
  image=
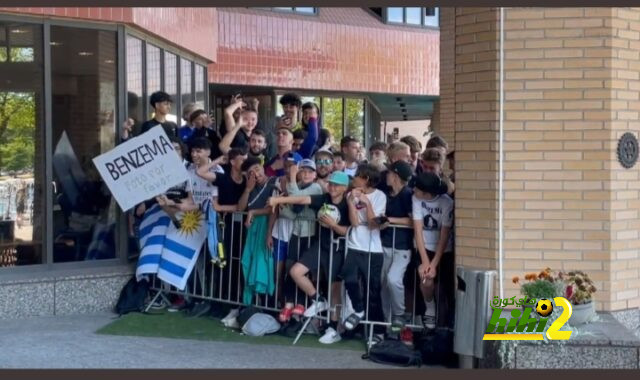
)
(141, 168)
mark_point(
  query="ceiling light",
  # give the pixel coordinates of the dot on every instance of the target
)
(109, 61)
(402, 105)
(85, 53)
(55, 43)
(19, 31)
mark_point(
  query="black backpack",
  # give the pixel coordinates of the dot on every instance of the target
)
(436, 347)
(394, 352)
(132, 297)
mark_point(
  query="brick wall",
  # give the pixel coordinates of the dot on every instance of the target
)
(624, 183)
(340, 49)
(444, 109)
(572, 88)
(193, 29)
(476, 128)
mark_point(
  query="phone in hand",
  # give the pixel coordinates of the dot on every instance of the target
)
(380, 220)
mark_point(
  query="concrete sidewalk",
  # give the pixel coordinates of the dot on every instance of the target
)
(71, 342)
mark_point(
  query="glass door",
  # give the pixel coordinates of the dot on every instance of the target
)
(22, 175)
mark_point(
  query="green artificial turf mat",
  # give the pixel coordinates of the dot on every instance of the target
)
(179, 326)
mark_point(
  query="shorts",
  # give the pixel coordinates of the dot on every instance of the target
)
(280, 249)
(310, 260)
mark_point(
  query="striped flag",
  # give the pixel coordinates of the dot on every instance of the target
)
(153, 229)
(181, 248)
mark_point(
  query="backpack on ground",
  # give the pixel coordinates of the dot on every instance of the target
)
(436, 347)
(394, 352)
(132, 297)
(245, 314)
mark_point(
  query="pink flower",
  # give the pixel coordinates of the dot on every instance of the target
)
(568, 292)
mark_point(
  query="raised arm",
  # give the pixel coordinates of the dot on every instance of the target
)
(306, 149)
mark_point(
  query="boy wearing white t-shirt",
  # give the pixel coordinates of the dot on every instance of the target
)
(366, 205)
(432, 222)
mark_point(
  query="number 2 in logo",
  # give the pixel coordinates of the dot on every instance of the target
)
(554, 333)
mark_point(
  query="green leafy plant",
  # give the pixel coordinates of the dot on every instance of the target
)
(540, 285)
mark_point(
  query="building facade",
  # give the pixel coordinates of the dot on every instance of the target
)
(559, 87)
(70, 76)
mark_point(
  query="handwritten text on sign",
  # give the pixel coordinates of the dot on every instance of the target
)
(141, 168)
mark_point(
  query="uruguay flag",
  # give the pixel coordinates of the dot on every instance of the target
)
(153, 229)
(181, 248)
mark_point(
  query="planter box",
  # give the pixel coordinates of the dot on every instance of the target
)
(581, 313)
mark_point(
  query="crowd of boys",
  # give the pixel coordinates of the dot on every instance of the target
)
(284, 173)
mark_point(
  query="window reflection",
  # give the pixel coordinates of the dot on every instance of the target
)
(135, 102)
(21, 145)
(83, 118)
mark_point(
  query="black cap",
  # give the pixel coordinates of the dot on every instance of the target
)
(431, 183)
(402, 169)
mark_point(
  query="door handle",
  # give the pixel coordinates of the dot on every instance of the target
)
(55, 188)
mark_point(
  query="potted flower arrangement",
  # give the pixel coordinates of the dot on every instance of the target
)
(579, 291)
(575, 286)
(540, 285)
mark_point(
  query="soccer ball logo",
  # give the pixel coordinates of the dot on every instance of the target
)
(544, 307)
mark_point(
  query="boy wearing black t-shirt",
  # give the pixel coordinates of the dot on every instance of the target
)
(397, 243)
(161, 103)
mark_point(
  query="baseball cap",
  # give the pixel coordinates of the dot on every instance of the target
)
(293, 157)
(339, 178)
(307, 163)
(431, 183)
(402, 169)
(324, 151)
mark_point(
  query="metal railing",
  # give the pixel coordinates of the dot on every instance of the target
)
(211, 282)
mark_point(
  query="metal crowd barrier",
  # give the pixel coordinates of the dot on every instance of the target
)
(224, 285)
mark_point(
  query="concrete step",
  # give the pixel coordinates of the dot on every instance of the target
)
(603, 343)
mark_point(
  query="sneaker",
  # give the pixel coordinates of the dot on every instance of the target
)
(375, 339)
(316, 307)
(200, 309)
(232, 323)
(429, 317)
(232, 315)
(177, 305)
(397, 323)
(158, 304)
(406, 336)
(330, 336)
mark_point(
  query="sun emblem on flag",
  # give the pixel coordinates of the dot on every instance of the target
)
(190, 222)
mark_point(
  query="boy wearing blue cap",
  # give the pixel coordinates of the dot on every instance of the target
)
(334, 222)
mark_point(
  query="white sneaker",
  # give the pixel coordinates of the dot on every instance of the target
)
(316, 308)
(232, 323)
(330, 336)
(232, 314)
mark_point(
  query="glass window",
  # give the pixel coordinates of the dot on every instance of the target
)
(135, 100)
(332, 117)
(309, 10)
(153, 73)
(22, 201)
(186, 87)
(395, 14)
(414, 15)
(84, 80)
(355, 118)
(302, 10)
(200, 87)
(171, 81)
(432, 17)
